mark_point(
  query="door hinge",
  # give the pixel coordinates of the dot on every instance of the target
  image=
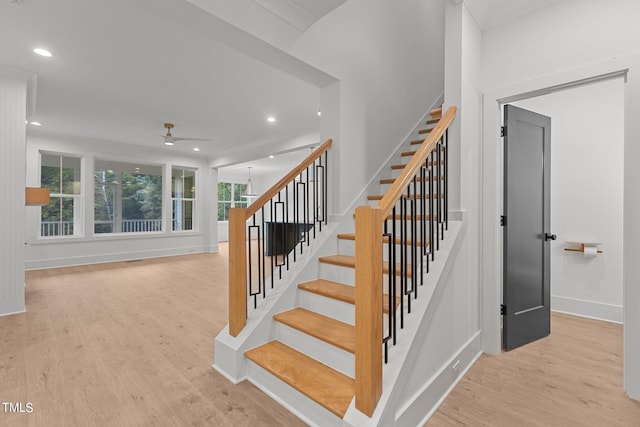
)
(503, 131)
(503, 310)
(503, 220)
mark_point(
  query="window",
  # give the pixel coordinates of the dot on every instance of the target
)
(61, 175)
(183, 196)
(128, 197)
(230, 196)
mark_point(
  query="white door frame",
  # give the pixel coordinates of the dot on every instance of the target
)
(491, 243)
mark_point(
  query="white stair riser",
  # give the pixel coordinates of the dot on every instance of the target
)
(345, 275)
(336, 273)
(296, 402)
(326, 306)
(347, 247)
(330, 355)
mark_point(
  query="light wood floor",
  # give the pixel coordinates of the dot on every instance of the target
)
(132, 343)
(126, 344)
(571, 378)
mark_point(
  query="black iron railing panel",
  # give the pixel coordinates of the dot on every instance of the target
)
(279, 231)
(413, 233)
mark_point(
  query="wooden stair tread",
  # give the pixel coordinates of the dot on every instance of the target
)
(350, 262)
(413, 196)
(436, 112)
(420, 141)
(339, 291)
(411, 153)
(424, 131)
(327, 329)
(385, 239)
(329, 289)
(433, 121)
(322, 384)
(408, 217)
(392, 180)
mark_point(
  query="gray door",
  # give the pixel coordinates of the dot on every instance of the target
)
(526, 233)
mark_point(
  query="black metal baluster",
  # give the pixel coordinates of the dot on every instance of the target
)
(404, 284)
(446, 178)
(263, 250)
(325, 183)
(285, 245)
(437, 183)
(441, 187)
(431, 201)
(423, 208)
(392, 265)
(315, 196)
(389, 334)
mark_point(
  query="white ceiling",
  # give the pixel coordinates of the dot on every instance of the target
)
(122, 68)
(120, 71)
(491, 13)
(300, 14)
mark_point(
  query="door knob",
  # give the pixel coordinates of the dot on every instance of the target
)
(549, 236)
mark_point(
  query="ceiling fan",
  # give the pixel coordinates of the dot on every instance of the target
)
(169, 139)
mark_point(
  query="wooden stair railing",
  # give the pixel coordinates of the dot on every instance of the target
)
(426, 164)
(298, 200)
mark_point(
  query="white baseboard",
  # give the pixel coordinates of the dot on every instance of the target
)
(590, 309)
(12, 312)
(431, 396)
(111, 257)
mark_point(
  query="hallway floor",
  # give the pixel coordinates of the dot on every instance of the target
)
(571, 378)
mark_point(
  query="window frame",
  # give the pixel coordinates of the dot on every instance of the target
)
(233, 203)
(118, 197)
(193, 199)
(78, 198)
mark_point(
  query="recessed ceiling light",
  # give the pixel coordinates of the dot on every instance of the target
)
(319, 112)
(271, 156)
(196, 149)
(271, 119)
(42, 52)
(35, 123)
(168, 143)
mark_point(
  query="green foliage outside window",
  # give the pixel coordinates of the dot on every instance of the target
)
(137, 195)
(61, 175)
(230, 196)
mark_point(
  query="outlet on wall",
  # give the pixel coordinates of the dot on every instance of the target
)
(456, 368)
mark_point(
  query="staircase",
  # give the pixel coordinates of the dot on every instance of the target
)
(313, 352)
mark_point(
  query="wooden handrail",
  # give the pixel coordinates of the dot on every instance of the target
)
(238, 240)
(368, 277)
(411, 169)
(278, 186)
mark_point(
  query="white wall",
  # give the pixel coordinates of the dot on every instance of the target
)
(562, 36)
(388, 57)
(587, 164)
(564, 42)
(87, 248)
(13, 106)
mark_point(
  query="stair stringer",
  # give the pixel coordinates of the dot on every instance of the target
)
(404, 357)
(229, 359)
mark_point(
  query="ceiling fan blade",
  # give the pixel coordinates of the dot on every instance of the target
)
(190, 139)
(148, 132)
